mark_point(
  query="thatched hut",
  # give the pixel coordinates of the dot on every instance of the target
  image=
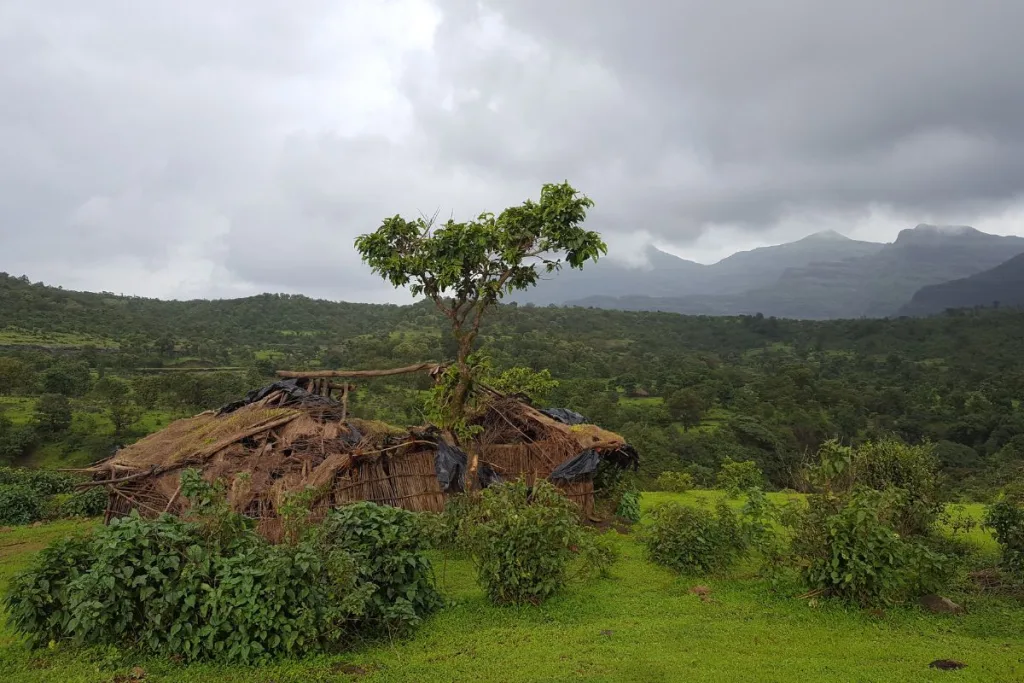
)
(289, 438)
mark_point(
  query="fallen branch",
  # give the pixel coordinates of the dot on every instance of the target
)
(419, 367)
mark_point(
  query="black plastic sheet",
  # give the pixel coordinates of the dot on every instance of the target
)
(296, 395)
(586, 463)
(577, 467)
(564, 415)
(450, 464)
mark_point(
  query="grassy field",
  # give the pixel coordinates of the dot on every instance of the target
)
(642, 624)
(12, 336)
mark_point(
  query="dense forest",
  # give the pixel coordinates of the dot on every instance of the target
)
(82, 372)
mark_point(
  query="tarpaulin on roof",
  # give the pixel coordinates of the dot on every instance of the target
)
(450, 464)
(565, 416)
(586, 463)
(295, 395)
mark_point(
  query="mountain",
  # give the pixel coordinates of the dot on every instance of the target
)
(671, 277)
(877, 282)
(999, 286)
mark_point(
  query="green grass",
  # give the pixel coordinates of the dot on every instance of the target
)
(18, 409)
(13, 336)
(642, 624)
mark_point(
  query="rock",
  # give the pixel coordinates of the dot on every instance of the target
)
(937, 604)
(946, 664)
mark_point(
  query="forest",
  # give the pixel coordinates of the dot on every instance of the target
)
(81, 373)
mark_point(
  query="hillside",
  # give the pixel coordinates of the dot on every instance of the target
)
(666, 275)
(875, 284)
(687, 390)
(1000, 286)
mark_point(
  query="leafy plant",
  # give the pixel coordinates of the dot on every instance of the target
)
(214, 589)
(19, 504)
(885, 464)
(849, 548)
(388, 549)
(1005, 517)
(692, 539)
(676, 482)
(629, 506)
(522, 540)
(736, 478)
(88, 503)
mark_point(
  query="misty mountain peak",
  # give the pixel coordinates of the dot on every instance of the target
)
(929, 232)
(826, 236)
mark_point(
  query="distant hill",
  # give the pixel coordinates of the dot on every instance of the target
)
(878, 282)
(1000, 286)
(669, 276)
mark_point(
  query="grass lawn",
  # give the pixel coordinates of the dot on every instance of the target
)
(642, 624)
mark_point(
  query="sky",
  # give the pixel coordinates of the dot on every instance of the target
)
(216, 149)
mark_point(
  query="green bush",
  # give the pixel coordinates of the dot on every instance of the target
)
(388, 548)
(215, 589)
(848, 547)
(694, 540)
(522, 540)
(29, 495)
(19, 504)
(1005, 517)
(676, 482)
(736, 478)
(629, 506)
(43, 482)
(88, 503)
(886, 465)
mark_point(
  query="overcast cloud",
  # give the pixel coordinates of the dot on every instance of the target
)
(182, 149)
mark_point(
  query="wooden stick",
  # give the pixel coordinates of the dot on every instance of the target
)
(344, 402)
(174, 497)
(104, 482)
(358, 373)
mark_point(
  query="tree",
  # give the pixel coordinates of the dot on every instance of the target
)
(117, 399)
(67, 378)
(686, 407)
(53, 413)
(465, 268)
(15, 375)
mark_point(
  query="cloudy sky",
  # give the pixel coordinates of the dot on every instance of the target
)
(227, 147)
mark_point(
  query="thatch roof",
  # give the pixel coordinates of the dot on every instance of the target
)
(283, 439)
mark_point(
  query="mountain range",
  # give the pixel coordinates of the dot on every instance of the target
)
(825, 275)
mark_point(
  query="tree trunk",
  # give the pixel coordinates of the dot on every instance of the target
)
(462, 390)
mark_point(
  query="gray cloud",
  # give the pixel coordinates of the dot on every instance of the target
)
(190, 149)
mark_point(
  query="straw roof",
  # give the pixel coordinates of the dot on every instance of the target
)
(283, 439)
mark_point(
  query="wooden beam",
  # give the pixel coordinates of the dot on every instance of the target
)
(419, 367)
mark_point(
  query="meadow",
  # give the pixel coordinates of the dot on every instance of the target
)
(641, 624)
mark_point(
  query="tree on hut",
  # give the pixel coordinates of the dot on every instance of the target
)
(465, 268)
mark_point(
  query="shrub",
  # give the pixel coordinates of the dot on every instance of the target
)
(736, 478)
(522, 540)
(676, 482)
(215, 589)
(886, 465)
(19, 504)
(848, 547)
(629, 506)
(89, 503)
(1005, 517)
(694, 540)
(43, 482)
(388, 548)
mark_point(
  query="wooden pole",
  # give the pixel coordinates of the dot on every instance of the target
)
(344, 402)
(419, 367)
